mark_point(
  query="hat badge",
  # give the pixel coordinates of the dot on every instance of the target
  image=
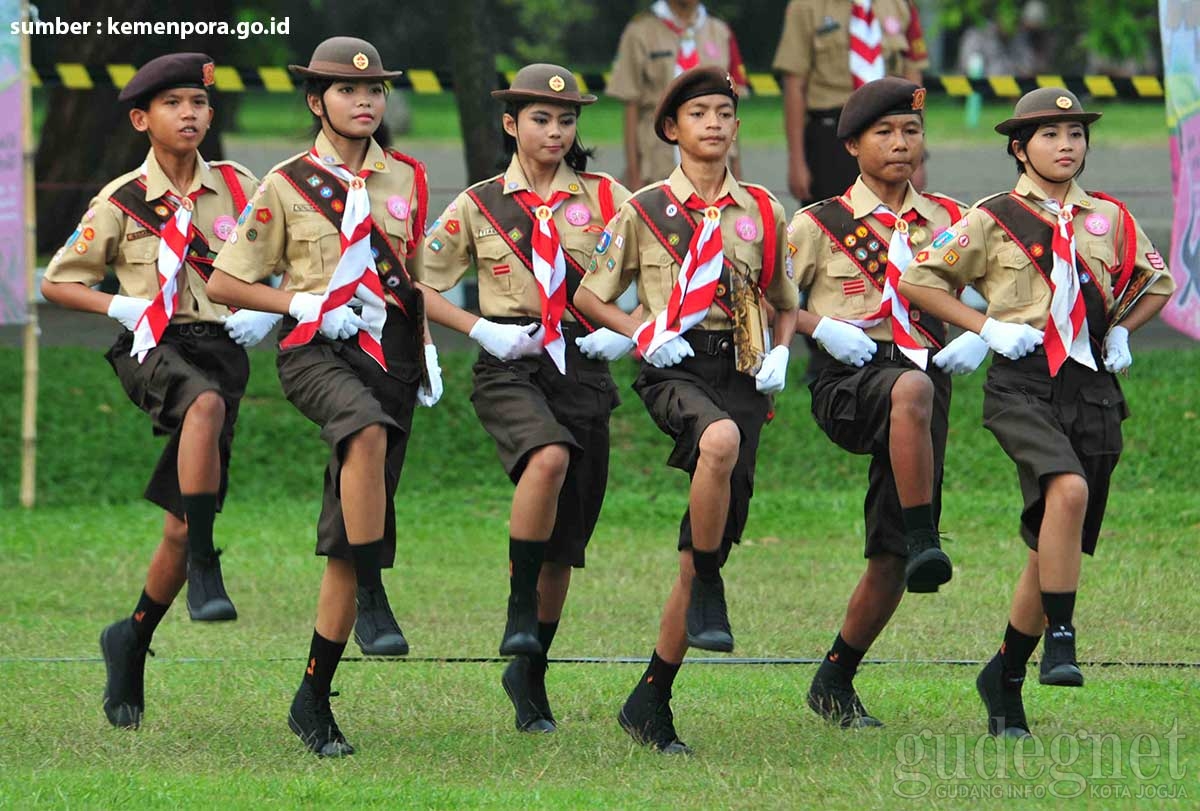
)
(361, 61)
(1063, 103)
(209, 74)
(918, 99)
(556, 83)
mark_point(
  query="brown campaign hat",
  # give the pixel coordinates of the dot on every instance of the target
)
(1044, 106)
(345, 58)
(689, 85)
(544, 82)
(171, 70)
(874, 100)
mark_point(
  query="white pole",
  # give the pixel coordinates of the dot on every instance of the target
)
(30, 397)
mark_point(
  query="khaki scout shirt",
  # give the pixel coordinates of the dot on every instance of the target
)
(832, 279)
(108, 237)
(645, 65)
(983, 255)
(462, 237)
(283, 232)
(815, 44)
(634, 252)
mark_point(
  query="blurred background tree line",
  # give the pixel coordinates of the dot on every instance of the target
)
(85, 139)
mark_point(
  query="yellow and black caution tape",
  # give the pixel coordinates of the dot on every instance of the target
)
(276, 79)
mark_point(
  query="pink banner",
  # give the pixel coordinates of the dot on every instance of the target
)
(12, 194)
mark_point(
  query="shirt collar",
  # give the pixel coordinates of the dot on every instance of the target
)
(863, 201)
(157, 183)
(682, 188)
(565, 179)
(1076, 196)
(374, 159)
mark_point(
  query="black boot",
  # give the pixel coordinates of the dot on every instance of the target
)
(206, 597)
(707, 617)
(833, 697)
(311, 718)
(1058, 666)
(518, 684)
(1001, 694)
(647, 717)
(928, 566)
(375, 630)
(124, 665)
(521, 628)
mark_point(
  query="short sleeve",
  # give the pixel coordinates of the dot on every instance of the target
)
(794, 54)
(91, 248)
(256, 248)
(446, 251)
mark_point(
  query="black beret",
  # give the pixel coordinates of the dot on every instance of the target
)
(689, 85)
(172, 70)
(874, 100)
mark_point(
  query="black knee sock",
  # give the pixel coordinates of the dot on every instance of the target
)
(546, 632)
(525, 564)
(917, 518)
(146, 617)
(200, 510)
(707, 564)
(1059, 607)
(661, 673)
(366, 564)
(844, 656)
(1015, 652)
(323, 658)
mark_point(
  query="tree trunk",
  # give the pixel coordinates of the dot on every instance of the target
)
(473, 64)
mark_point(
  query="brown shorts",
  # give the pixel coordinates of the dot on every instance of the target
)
(1066, 424)
(853, 406)
(526, 404)
(189, 360)
(342, 389)
(685, 399)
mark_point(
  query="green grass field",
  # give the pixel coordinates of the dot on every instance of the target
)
(434, 734)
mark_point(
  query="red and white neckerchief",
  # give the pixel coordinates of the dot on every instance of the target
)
(355, 274)
(866, 44)
(172, 250)
(894, 307)
(550, 271)
(696, 286)
(686, 55)
(1066, 328)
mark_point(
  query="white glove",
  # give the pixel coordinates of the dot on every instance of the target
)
(428, 397)
(507, 341)
(304, 306)
(962, 355)
(338, 324)
(846, 342)
(1010, 340)
(248, 327)
(670, 353)
(1117, 357)
(604, 344)
(773, 375)
(127, 310)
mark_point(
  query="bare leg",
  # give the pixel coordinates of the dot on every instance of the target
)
(1026, 612)
(535, 500)
(335, 606)
(199, 452)
(1060, 541)
(874, 600)
(363, 494)
(672, 630)
(708, 499)
(910, 443)
(168, 567)
(553, 582)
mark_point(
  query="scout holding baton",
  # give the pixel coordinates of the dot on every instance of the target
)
(1067, 274)
(880, 385)
(344, 219)
(542, 388)
(706, 250)
(180, 357)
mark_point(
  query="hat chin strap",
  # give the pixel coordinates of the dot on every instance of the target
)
(1030, 164)
(325, 116)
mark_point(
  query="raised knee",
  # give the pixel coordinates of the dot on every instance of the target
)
(209, 407)
(549, 462)
(371, 439)
(912, 396)
(719, 444)
(1069, 493)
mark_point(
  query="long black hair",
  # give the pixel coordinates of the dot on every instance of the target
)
(576, 157)
(1023, 135)
(314, 86)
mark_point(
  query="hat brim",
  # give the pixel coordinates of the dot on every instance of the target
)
(1008, 126)
(582, 99)
(348, 75)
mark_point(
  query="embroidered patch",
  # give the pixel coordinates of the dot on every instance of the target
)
(145, 232)
(914, 315)
(296, 207)
(611, 263)
(792, 249)
(251, 234)
(500, 270)
(672, 210)
(850, 240)
(489, 231)
(917, 235)
(746, 229)
(89, 233)
(892, 25)
(861, 254)
(1156, 261)
(710, 48)
(162, 211)
(89, 215)
(942, 239)
(854, 287)
(435, 245)
(950, 257)
(326, 192)
(578, 214)
(314, 180)
(861, 231)
(964, 241)
(921, 256)
(263, 215)
(512, 184)
(604, 241)
(245, 213)
(873, 245)
(673, 239)
(1096, 224)
(619, 242)
(1037, 250)
(385, 267)
(223, 226)
(81, 248)
(514, 234)
(883, 257)
(788, 268)
(453, 227)
(337, 205)
(1084, 278)
(397, 206)
(233, 238)
(872, 266)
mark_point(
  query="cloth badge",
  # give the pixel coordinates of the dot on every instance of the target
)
(1096, 224)
(854, 287)
(89, 215)
(873, 245)
(604, 241)
(326, 192)
(397, 206)
(384, 267)
(512, 184)
(943, 239)
(578, 214)
(851, 240)
(314, 180)
(515, 234)
(921, 257)
(251, 234)
(883, 257)
(89, 233)
(788, 268)
(611, 263)
(1037, 250)
(861, 231)
(233, 238)
(746, 229)
(223, 226)
(872, 266)
(500, 270)
(792, 249)
(1156, 261)
(245, 213)
(487, 231)
(964, 241)
(452, 207)
(673, 239)
(619, 242)
(81, 248)
(337, 205)
(374, 252)
(1084, 278)
(710, 48)
(162, 211)
(672, 210)
(435, 245)
(861, 254)
(263, 215)
(950, 257)
(453, 227)
(892, 25)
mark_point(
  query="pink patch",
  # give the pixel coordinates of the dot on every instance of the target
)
(1096, 224)
(710, 48)
(892, 25)
(1156, 261)
(746, 229)
(397, 206)
(964, 241)
(578, 214)
(223, 226)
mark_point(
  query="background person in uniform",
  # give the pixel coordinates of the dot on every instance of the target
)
(877, 391)
(705, 251)
(180, 356)
(656, 46)
(829, 48)
(1062, 270)
(545, 397)
(344, 220)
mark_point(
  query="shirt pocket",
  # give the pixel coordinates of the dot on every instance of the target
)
(848, 289)
(500, 271)
(658, 273)
(138, 269)
(580, 245)
(1022, 283)
(318, 247)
